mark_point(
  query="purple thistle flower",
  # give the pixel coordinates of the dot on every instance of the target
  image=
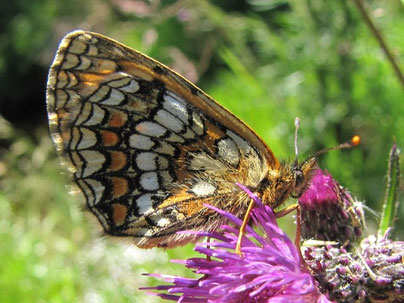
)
(328, 211)
(385, 259)
(337, 271)
(270, 269)
(374, 273)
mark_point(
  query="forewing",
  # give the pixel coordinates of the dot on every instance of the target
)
(145, 146)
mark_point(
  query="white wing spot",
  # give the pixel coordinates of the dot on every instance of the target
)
(125, 83)
(241, 143)
(151, 129)
(140, 142)
(115, 98)
(163, 222)
(144, 204)
(228, 150)
(169, 121)
(203, 188)
(149, 181)
(197, 124)
(146, 161)
(87, 139)
(132, 87)
(97, 114)
(93, 160)
(176, 107)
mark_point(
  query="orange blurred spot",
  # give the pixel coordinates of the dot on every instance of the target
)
(117, 119)
(118, 160)
(106, 71)
(355, 140)
(119, 213)
(119, 187)
(109, 138)
(91, 79)
(138, 106)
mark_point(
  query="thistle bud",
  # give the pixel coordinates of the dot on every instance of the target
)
(328, 211)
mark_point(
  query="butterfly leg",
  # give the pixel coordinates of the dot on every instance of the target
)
(298, 228)
(299, 233)
(243, 227)
(286, 210)
(208, 246)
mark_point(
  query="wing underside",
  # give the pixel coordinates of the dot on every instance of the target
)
(146, 147)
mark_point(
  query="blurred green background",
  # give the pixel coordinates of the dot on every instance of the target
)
(268, 61)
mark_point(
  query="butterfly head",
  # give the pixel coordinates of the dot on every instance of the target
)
(302, 174)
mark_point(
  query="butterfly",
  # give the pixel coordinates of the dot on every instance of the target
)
(147, 148)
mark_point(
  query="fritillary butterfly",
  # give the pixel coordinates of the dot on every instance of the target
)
(147, 148)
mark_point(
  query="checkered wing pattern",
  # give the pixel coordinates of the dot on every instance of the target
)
(146, 147)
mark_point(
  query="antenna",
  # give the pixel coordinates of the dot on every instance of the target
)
(297, 124)
(355, 140)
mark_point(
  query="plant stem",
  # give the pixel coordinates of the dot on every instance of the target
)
(377, 34)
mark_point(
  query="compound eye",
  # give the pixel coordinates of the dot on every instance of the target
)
(299, 178)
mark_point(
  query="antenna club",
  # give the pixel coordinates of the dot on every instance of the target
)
(355, 140)
(297, 122)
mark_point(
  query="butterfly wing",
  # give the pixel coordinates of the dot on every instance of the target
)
(146, 147)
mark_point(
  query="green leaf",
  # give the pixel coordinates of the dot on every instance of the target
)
(392, 187)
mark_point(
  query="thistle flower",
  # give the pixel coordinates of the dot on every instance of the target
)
(328, 211)
(385, 262)
(374, 273)
(270, 269)
(337, 271)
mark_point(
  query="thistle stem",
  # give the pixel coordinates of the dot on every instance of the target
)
(379, 37)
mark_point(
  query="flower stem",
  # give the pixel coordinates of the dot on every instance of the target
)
(378, 35)
(390, 204)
